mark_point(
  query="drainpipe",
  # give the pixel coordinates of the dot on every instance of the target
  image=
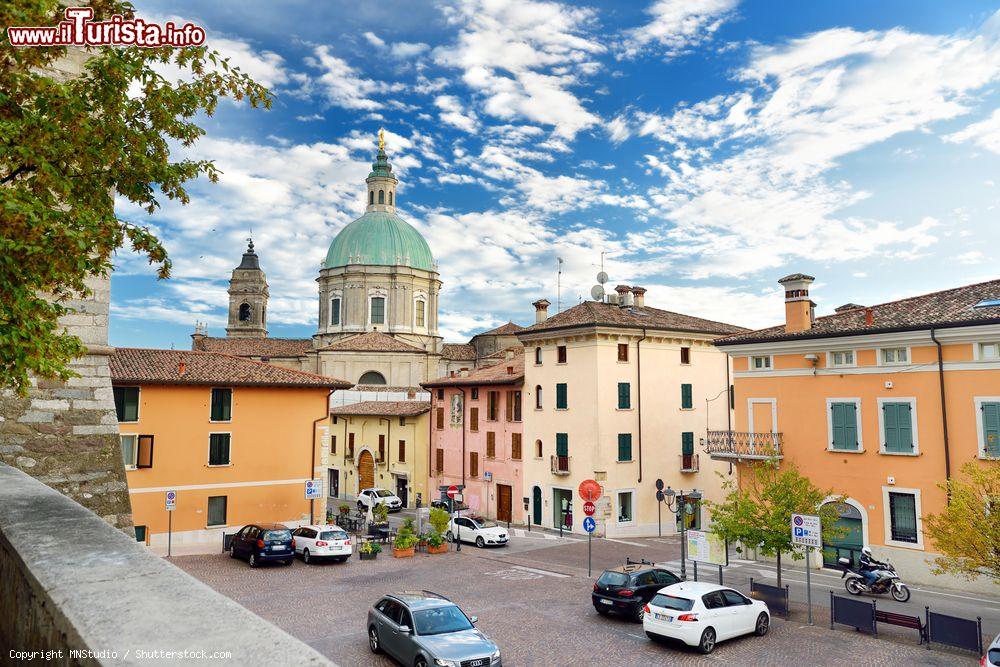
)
(730, 403)
(312, 460)
(458, 542)
(944, 412)
(638, 396)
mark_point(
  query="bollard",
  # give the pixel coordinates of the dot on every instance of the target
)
(927, 625)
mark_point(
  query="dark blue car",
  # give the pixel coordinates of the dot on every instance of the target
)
(262, 542)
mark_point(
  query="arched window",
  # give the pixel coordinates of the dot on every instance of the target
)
(538, 397)
(378, 310)
(419, 313)
(371, 197)
(335, 311)
(244, 312)
(372, 377)
(390, 197)
(381, 196)
(538, 356)
(538, 449)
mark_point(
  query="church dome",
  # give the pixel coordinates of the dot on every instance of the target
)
(380, 238)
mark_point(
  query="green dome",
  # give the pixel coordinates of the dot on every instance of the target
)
(381, 238)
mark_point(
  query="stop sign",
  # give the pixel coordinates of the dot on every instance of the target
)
(589, 508)
(452, 491)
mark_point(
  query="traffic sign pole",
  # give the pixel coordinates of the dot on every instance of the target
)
(589, 536)
(809, 597)
(170, 530)
(171, 505)
(807, 531)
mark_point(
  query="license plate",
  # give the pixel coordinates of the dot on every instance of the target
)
(278, 548)
(663, 617)
(607, 602)
(477, 663)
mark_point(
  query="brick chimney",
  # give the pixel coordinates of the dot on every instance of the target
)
(541, 310)
(799, 308)
(639, 293)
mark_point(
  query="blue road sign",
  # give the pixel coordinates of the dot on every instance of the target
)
(589, 524)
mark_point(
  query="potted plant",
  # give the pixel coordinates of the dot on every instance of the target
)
(345, 509)
(380, 513)
(436, 543)
(369, 550)
(439, 520)
(406, 540)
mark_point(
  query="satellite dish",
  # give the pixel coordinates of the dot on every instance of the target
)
(596, 292)
(602, 277)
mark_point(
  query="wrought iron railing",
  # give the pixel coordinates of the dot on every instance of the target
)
(689, 462)
(560, 465)
(743, 445)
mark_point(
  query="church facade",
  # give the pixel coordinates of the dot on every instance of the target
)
(377, 321)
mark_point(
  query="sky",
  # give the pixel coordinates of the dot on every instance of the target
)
(699, 148)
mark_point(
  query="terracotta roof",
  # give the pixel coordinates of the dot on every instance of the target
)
(948, 308)
(131, 365)
(254, 347)
(383, 409)
(458, 352)
(503, 330)
(371, 341)
(496, 374)
(384, 388)
(596, 313)
(502, 354)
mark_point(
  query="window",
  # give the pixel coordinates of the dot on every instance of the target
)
(762, 363)
(989, 430)
(378, 310)
(844, 431)
(218, 449)
(687, 400)
(140, 534)
(381, 447)
(685, 355)
(622, 351)
(844, 358)
(439, 418)
(903, 517)
(624, 446)
(381, 196)
(561, 402)
(127, 403)
(898, 428)
(244, 314)
(372, 377)
(989, 351)
(144, 452)
(371, 197)
(390, 197)
(440, 394)
(895, 355)
(561, 354)
(562, 444)
(222, 404)
(687, 443)
(473, 419)
(335, 311)
(734, 599)
(491, 444)
(517, 405)
(217, 510)
(129, 445)
(473, 464)
(538, 449)
(492, 399)
(515, 446)
(475, 393)
(420, 313)
(538, 397)
(625, 507)
(538, 356)
(402, 451)
(350, 445)
(333, 444)
(439, 460)
(624, 396)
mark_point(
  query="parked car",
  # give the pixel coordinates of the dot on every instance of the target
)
(627, 589)
(992, 657)
(321, 542)
(477, 529)
(263, 542)
(375, 496)
(702, 614)
(425, 629)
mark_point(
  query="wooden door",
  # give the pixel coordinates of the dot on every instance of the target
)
(366, 470)
(503, 502)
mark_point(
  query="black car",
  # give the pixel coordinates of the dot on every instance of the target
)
(263, 542)
(628, 588)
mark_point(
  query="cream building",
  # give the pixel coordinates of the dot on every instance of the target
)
(621, 393)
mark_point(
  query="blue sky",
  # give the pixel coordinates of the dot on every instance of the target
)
(709, 147)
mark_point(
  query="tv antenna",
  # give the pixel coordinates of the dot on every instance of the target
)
(559, 286)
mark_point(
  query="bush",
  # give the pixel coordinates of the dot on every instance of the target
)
(345, 508)
(434, 539)
(381, 513)
(439, 519)
(406, 538)
(370, 547)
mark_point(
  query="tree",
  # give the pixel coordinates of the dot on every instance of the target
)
(67, 149)
(967, 532)
(757, 512)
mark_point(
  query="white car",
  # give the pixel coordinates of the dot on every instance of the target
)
(702, 614)
(476, 529)
(320, 542)
(992, 657)
(375, 496)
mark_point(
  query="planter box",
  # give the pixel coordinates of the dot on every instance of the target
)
(364, 556)
(441, 549)
(402, 553)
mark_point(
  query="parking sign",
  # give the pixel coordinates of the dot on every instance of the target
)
(314, 489)
(806, 530)
(171, 501)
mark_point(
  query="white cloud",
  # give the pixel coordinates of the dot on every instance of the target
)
(971, 257)
(405, 50)
(342, 85)
(676, 26)
(309, 118)
(374, 39)
(985, 133)
(454, 113)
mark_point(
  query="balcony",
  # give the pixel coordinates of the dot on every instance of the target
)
(689, 462)
(560, 465)
(743, 445)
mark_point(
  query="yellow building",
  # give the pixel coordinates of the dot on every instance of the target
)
(620, 392)
(375, 444)
(881, 403)
(232, 437)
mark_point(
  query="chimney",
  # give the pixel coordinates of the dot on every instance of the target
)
(869, 317)
(798, 306)
(200, 333)
(510, 370)
(181, 367)
(639, 294)
(541, 310)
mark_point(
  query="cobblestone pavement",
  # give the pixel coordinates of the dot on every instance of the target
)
(538, 612)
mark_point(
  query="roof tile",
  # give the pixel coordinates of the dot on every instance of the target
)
(254, 347)
(383, 409)
(596, 313)
(496, 374)
(371, 341)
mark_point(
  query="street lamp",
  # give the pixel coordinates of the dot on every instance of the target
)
(681, 504)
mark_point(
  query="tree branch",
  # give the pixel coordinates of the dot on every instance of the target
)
(17, 172)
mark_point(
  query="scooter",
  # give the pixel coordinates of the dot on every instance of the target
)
(888, 581)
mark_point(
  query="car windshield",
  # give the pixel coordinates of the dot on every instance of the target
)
(382, 493)
(483, 523)
(671, 602)
(613, 579)
(440, 620)
(333, 535)
(279, 535)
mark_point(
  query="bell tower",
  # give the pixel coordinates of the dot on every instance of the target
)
(381, 181)
(248, 298)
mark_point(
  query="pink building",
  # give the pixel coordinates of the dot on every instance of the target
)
(476, 437)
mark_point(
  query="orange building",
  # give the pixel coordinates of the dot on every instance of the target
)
(880, 403)
(233, 437)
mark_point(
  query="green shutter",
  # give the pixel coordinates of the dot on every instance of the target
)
(844, 420)
(562, 444)
(624, 446)
(127, 403)
(687, 443)
(686, 400)
(898, 426)
(561, 396)
(991, 429)
(624, 396)
(222, 404)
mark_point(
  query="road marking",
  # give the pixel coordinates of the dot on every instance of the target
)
(547, 573)
(634, 544)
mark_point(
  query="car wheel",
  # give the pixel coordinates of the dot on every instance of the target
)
(420, 662)
(763, 625)
(601, 610)
(253, 560)
(448, 536)
(707, 643)
(373, 642)
(480, 542)
(638, 612)
(232, 551)
(305, 555)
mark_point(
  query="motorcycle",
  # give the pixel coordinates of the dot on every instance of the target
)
(888, 581)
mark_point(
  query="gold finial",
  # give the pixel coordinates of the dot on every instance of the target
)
(381, 139)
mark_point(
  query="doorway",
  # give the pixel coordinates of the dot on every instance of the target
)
(562, 508)
(850, 539)
(504, 495)
(334, 483)
(402, 490)
(536, 505)
(366, 470)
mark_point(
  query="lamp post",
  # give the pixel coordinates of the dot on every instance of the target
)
(680, 504)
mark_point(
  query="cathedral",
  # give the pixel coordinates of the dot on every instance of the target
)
(377, 320)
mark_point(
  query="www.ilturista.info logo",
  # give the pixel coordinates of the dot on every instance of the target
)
(79, 30)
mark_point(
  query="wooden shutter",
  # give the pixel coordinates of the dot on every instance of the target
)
(561, 354)
(897, 424)
(991, 429)
(402, 451)
(491, 405)
(515, 446)
(473, 419)
(474, 464)
(440, 418)
(350, 444)
(439, 463)
(686, 399)
(491, 444)
(517, 406)
(624, 396)
(222, 404)
(381, 447)
(844, 425)
(622, 351)
(333, 444)
(510, 406)
(144, 452)
(687, 443)
(685, 355)
(561, 396)
(562, 444)
(624, 446)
